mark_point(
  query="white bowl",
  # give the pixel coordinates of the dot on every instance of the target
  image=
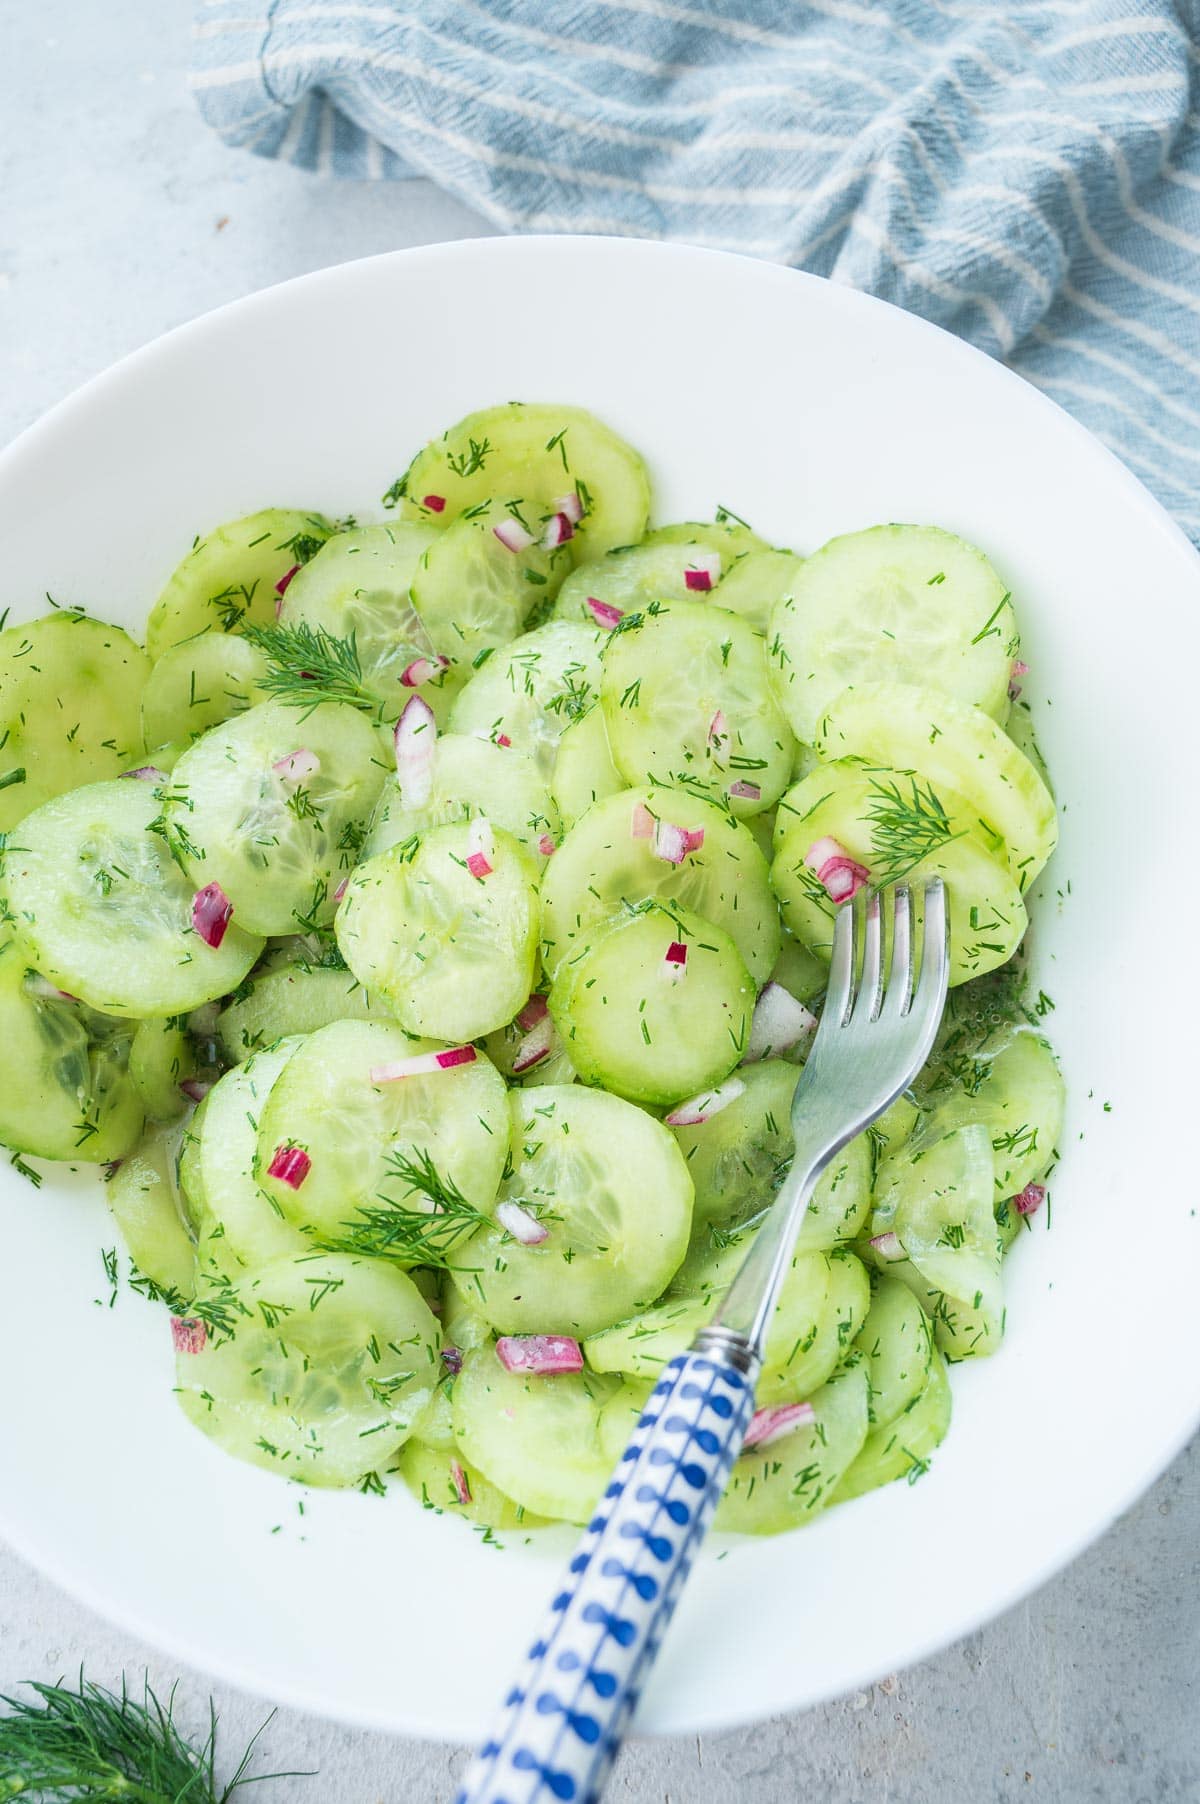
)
(810, 410)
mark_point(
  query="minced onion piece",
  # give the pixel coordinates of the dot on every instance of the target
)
(780, 1021)
(747, 792)
(1030, 1199)
(297, 766)
(421, 1063)
(340, 891)
(503, 740)
(559, 528)
(767, 1425)
(888, 1246)
(188, 1334)
(195, 1089)
(570, 505)
(547, 845)
(281, 587)
(481, 847)
(212, 912)
(706, 1103)
(452, 1359)
(521, 1224)
(147, 773)
(535, 1010)
(414, 738)
(461, 1483)
(603, 612)
(717, 728)
(673, 843)
(674, 965)
(423, 670)
(1019, 668)
(435, 503)
(641, 822)
(534, 1046)
(512, 535)
(540, 1353)
(290, 1166)
(842, 875)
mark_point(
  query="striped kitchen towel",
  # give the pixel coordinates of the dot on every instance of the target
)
(1024, 172)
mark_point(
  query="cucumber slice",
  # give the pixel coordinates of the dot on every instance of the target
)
(687, 703)
(793, 1371)
(799, 970)
(462, 1325)
(896, 1342)
(621, 1414)
(438, 1478)
(277, 844)
(293, 998)
(646, 1028)
(329, 1366)
(536, 452)
(609, 1183)
(757, 583)
(162, 1055)
(106, 913)
(896, 824)
(583, 768)
(470, 777)
(1017, 1093)
(908, 604)
(529, 692)
(600, 867)
(64, 1086)
(505, 1046)
(787, 1483)
(144, 1200)
(955, 748)
(901, 1448)
(199, 683)
(891, 1130)
(188, 1175)
(237, 1226)
(728, 537)
(362, 1137)
(229, 579)
(536, 1438)
(70, 694)
(739, 1157)
(453, 954)
(631, 577)
(358, 587)
(1020, 729)
(473, 593)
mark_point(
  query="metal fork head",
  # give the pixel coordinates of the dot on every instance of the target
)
(883, 1006)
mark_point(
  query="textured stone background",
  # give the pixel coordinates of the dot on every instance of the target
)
(121, 217)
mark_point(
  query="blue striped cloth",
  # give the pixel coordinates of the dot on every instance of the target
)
(1024, 172)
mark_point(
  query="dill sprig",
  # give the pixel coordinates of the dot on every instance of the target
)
(905, 828)
(308, 666)
(85, 1742)
(413, 1236)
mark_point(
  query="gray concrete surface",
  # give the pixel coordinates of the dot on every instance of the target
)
(119, 218)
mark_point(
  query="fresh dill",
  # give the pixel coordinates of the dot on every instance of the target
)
(308, 666)
(905, 827)
(408, 1232)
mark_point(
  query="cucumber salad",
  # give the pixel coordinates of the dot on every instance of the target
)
(424, 933)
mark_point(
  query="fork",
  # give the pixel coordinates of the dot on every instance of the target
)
(562, 1723)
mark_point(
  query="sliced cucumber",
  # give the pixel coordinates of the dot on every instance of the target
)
(199, 683)
(473, 593)
(527, 694)
(292, 998)
(793, 1371)
(364, 1137)
(1017, 1094)
(799, 970)
(330, 1364)
(610, 1184)
(161, 1057)
(688, 704)
(70, 697)
(536, 452)
(643, 1026)
(728, 537)
(601, 866)
(144, 1199)
(584, 771)
(954, 747)
(105, 912)
(787, 1483)
(441, 1480)
(896, 825)
(536, 1438)
(896, 1342)
(901, 1448)
(238, 1227)
(230, 577)
(756, 583)
(470, 777)
(1020, 729)
(630, 578)
(277, 842)
(908, 604)
(452, 953)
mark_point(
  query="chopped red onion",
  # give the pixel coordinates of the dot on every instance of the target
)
(571, 506)
(195, 1089)
(460, 1481)
(547, 845)
(481, 847)
(521, 1224)
(435, 503)
(603, 613)
(889, 1246)
(188, 1334)
(842, 875)
(539, 1353)
(414, 738)
(767, 1425)
(674, 965)
(340, 891)
(641, 824)
(281, 587)
(147, 773)
(512, 535)
(673, 843)
(717, 728)
(212, 912)
(421, 1063)
(297, 766)
(748, 792)
(1014, 691)
(535, 1010)
(706, 1104)
(290, 1166)
(559, 528)
(1019, 667)
(780, 1021)
(534, 1046)
(423, 670)
(503, 739)
(697, 579)
(1030, 1199)
(452, 1359)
